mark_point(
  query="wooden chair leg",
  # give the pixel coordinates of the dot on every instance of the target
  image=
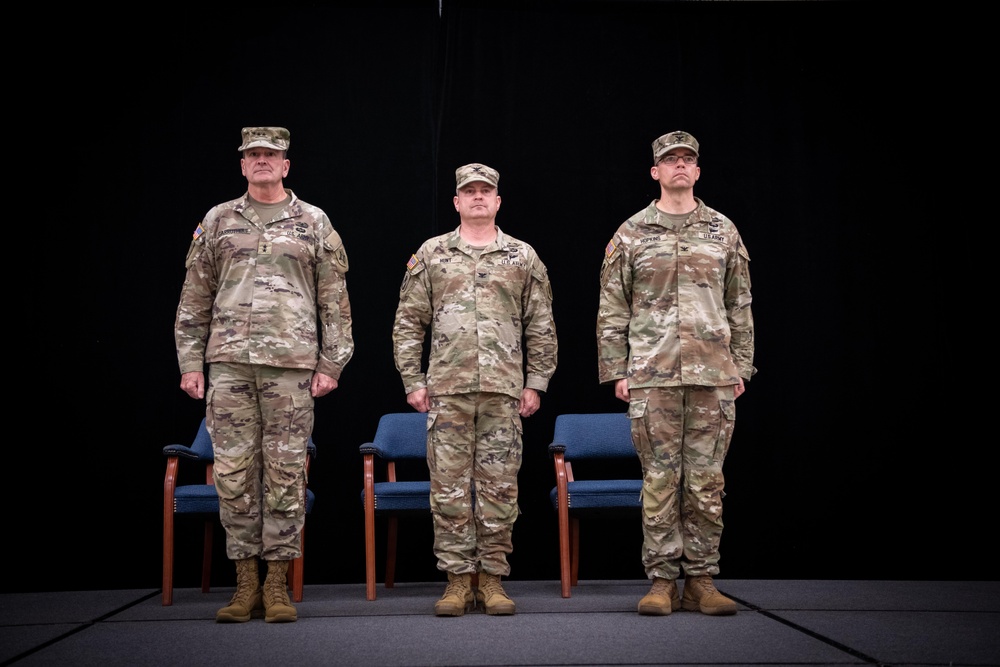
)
(168, 557)
(575, 551)
(390, 552)
(564, 554)
(295, 574)
(206, 556)
(369, 504)
(169, 485)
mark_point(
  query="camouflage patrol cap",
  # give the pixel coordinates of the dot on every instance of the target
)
(277, 138)
(672, 140)
(476, 172)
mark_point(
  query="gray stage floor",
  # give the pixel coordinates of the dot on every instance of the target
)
(918, 623)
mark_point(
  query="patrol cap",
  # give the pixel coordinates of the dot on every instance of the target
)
(672, 140)
(476, 172)
(277, 138)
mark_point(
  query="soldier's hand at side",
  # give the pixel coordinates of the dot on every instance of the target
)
(418, 400)
(322, 384)
(193, 384)
(530, 402)
(739, 389)
(621, 389)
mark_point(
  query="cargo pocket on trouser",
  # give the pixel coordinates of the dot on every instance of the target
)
(429, 425)
(727, 423)
(640, 435)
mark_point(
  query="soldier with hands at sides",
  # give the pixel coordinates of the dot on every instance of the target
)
(265, 307)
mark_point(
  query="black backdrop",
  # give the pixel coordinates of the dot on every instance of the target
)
(796, 106)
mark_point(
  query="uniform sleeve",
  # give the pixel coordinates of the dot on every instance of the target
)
(737, 302)
(541, 343)
(614, 313)
(413, 316)
(333, 304)
(194, 311)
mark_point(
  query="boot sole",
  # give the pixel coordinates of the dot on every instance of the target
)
(228, 618)
(710, 611)
(281, 618)
(648, 610)
(449, 612)
(500, 611)
(659, 610)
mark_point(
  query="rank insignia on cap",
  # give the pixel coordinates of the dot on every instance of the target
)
(412, 263)
(610, 248)
(198, 231)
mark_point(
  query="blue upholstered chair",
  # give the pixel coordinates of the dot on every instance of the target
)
(595, 441)
(400, 441)
(200, 500)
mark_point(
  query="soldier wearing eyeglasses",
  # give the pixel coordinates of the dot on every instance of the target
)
(676, 340)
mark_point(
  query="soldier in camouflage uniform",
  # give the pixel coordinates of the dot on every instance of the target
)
(265, 306)
(675, 337)
(481, 292)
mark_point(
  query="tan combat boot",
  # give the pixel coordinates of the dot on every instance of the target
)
(277, 607)
(661, 599)
(457, 596)
(246, 600)
(494, 598)
(700, 595)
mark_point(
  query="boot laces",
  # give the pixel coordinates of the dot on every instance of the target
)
(660, 586)
(491, 586)
(246, 585)
(242, 596)
(276, 590)
(455, 587)
(705, 584)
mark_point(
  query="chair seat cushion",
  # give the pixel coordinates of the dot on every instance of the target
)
(202, 499)
(601, 494)
(196, 499)
(401, 496)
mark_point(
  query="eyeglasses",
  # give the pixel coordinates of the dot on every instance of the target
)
(672, 159)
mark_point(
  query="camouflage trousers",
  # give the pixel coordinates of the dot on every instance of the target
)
(682, 435)
(260, 419)
(473, 454)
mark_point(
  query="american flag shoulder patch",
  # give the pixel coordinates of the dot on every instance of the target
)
(610, 248)
(412, 263)
(198, 231)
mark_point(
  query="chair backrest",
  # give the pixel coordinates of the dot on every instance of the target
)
(202, 445)
(593, 436)
(401, 436)
(199, 450)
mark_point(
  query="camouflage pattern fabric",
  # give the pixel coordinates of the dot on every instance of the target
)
(255, 290)
(682, 436)
(675, 302)
(260, 419)
(675, 319)
(477, 306)
(473, 439)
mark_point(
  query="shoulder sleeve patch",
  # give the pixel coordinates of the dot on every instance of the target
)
(335, 246)
(742, 250)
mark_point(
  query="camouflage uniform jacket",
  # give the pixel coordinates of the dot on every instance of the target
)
(271, 293)
(675, 302)
(478, 310)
